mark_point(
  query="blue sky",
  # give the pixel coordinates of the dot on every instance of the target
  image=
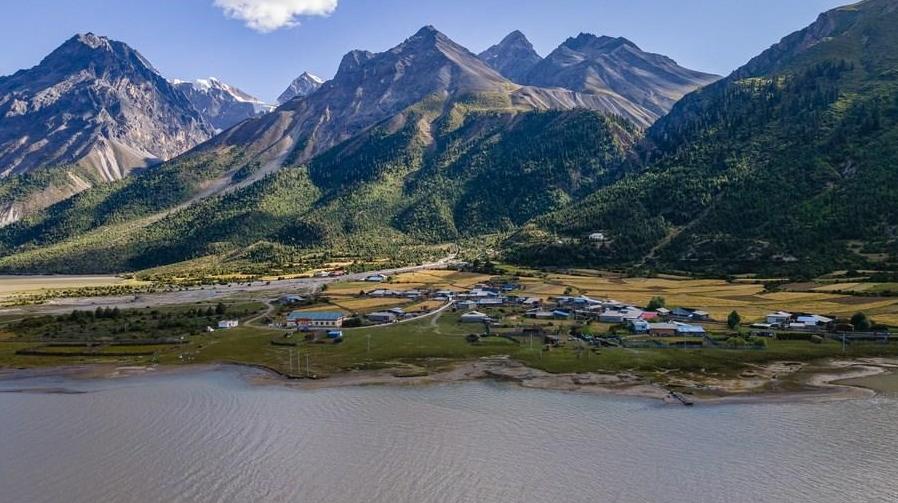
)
(258, 46)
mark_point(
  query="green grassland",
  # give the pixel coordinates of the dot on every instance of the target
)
(432, 344)
(176, 335)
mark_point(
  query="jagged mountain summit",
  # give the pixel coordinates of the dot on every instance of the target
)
(96, 102)
(514, 57)
(301, 87)
(222, 105)
(426, 70)
(91, 112)
(600, 65)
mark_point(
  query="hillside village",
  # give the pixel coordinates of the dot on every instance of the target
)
(503, 306)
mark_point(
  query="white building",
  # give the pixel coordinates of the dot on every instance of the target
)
(779, 318)
(228, 324)
(814, 320)
(474, 317)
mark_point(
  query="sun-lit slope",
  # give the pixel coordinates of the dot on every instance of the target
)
(423, 177)
(787, 164)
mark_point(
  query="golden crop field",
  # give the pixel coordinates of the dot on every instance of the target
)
(718, 297)
(443, 279)
(366, 304)
(845, 287)
(352, 288)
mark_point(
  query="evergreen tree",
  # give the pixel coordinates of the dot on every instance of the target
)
(656, 303)
(734, 320)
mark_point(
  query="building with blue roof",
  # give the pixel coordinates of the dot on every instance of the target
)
(320, 319)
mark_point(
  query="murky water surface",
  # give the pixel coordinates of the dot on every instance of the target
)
(210, 436)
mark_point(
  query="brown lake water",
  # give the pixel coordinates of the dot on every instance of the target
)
(210, 436)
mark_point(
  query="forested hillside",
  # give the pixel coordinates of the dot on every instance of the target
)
(787, 165)
(419, 178)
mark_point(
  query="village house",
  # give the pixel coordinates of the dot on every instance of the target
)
(467, 305)
(685, 313)
(814, 320)
(539, 314)
(620, 315)
(228, 324)
(290, 300)
(479, 293)
(382, 292)
(639, 326)
(322, 319)
(474, 317)
(382, 317)
(491, 302)
(561, 315)
(685, 329)
(532, 302)
(662, 329)
(781, 318)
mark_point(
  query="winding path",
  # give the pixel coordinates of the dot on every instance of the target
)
(436, 313)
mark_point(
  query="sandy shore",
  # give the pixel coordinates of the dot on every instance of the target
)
(817, 382)
(498, 369)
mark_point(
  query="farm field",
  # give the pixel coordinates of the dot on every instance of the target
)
(715, 296)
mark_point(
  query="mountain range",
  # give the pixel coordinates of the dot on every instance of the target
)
(609, 66)
(428, 143)
(142, 119)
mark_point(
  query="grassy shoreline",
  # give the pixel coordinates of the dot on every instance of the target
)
(437, 343)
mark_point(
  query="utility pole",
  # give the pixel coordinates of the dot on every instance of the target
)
(308, 366)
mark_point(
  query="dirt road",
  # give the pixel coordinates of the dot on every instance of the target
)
(257, 290)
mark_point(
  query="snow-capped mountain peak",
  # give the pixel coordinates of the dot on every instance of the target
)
(222, 104)
(301, 86)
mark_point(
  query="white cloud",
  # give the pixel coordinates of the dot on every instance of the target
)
(269, 15)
